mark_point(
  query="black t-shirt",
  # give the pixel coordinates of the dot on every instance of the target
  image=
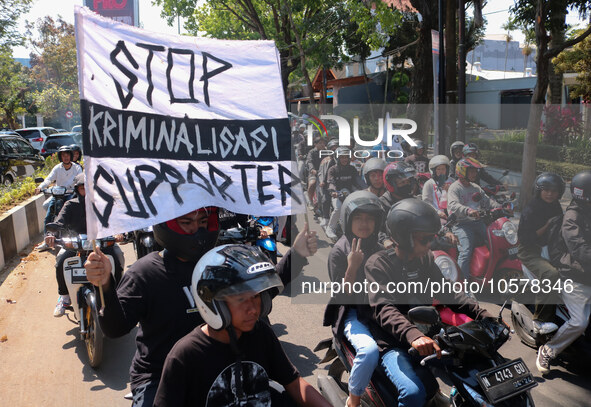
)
(200, 371)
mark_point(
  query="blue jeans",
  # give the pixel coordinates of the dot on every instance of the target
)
(367, 354)
(412, 381)
(54, 208)
(471, 234)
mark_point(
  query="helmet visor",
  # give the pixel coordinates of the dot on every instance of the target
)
(255, 286)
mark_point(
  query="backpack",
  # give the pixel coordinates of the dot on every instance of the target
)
(556, 244)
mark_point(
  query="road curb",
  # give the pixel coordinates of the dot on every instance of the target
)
(19, 226)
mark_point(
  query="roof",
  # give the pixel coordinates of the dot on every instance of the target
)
(402, 5)
(317, 81)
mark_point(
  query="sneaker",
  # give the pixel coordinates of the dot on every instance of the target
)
(543, 360)
(42, 247)
(323, 222)
(330, 233)
(60, 308)
(544, 328)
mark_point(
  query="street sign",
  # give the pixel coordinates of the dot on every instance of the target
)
(69, 114)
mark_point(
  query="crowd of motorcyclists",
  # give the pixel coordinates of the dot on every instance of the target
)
(197, 303)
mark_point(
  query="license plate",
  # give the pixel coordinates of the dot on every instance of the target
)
(513, 251)
(502, 382)
(79, 275)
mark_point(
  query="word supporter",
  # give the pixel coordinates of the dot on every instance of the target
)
(137, 190)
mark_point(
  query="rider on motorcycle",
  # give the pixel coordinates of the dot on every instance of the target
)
(576, 262)
(63, 174)
(373, 174)
(340, 176)
(413, 225)
(434, 192)
(399, 179)
(471, 150)
(76, 153)
(312, 164)
(419, 157)
(229, 360)
(361, 217)
(470, 231)
(533, 225)
(72, 217)
(324, 197)
(456, 154)
(154, 291)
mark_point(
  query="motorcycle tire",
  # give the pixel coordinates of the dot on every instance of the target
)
(94, 338)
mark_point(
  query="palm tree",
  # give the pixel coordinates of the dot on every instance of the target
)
(508, 26)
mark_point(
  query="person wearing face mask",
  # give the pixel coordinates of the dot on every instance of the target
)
(434, 192)
(575, 264)
(532, 233)
(470, 230)
(155, 291)
(399, 179)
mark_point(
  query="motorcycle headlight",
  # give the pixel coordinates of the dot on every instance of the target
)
(148, 241)
(87, 245)
(58, 190)
(510, 231)
(448, 267)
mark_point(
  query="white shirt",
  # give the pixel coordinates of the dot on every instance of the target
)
(62, 176)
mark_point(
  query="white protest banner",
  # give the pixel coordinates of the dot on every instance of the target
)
(175, 123)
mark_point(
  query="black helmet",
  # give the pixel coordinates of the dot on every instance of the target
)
(79, 180)
(395, 170)
(373, 164)
(188, 246)
(64, 149)
(419, 146)
(408, 216)
(456, 145)
(580, 186)
(231, 270)
(471, 148)
(549, 180)
(363, 201)
(76, 147)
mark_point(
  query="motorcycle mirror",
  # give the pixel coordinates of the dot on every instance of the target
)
(38, 180)
(53, 227)
(477, 197)
(424, 315)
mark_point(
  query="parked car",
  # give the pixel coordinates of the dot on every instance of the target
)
(55, 141)
(61, 130)
(18, 159)
(8, 132)
(77, 129)
(36, 135)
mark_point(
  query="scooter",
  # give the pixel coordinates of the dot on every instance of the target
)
(266, 226)
(470, 361)
(81, 291)
(497, 258)
(579, 352)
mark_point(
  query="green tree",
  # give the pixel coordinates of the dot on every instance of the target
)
(15, 87)
(540, 15)
(10, 12)
(54, 67)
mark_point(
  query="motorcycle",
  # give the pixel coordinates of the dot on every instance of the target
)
(81, 291)
(470, 361)
(60, 195)
(496, 258)
(579, 352)
(259, 231)
(143, 242)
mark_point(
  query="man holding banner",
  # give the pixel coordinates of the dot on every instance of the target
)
(171, 132)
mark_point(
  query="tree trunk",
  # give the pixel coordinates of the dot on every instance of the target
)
(451, 69)
(557, 36)
(302, 55)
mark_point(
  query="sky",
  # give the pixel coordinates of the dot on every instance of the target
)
(496, 12)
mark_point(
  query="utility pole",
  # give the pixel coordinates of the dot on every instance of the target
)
(441, 101)
(462, 71)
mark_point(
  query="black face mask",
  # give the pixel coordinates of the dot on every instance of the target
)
(404, 191)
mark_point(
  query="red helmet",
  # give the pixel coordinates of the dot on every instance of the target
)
(396, 170)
